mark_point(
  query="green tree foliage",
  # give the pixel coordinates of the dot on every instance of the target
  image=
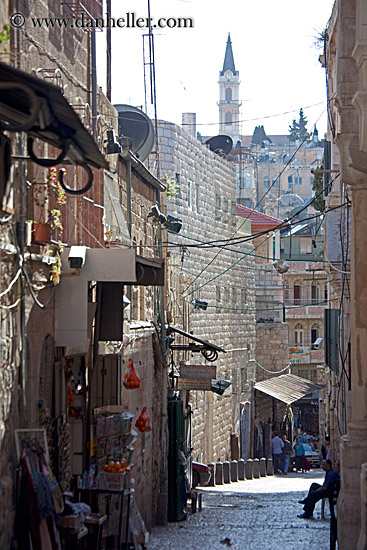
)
(298, 128)
(317, 186)
(259, 135)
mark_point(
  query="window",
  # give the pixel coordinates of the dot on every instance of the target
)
(234, 297)
(178, 186)
(275, 182)
(225, 210)
(296, 294)
(189, 194)
(244, 385)
(226, 297)
(233, 212)
(228, 118)
(266, 182)
(298, 180)
(305, 245)
(290, 179)
(243, 180)
(298, 334)
(314, 294)
(234, 380)
(218, 206)
(228, 94)
(218, 296)
(290, 187)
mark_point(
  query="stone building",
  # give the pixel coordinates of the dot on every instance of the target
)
(62, 326)
(345, 66)
(221, 277)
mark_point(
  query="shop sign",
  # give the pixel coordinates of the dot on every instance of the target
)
(203, 384)
(198, 371)
(299, 354)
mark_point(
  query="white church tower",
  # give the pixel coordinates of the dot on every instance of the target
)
(229, 102)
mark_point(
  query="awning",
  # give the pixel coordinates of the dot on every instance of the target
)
(287, 387)
(30, 104)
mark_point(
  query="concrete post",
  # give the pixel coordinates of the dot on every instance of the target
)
(212, 477)
(269, 467)
(256, 468)
(234, 471)
(241, 469)
(262, 467)
(226, 473)
(248, 469)
(219, 473)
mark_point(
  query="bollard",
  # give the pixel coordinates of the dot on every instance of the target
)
(234, 471)
(269, 467)
(212, 477)
(248, 469)
(219, 473)
(226, 473)
(262, 467)
(241, 469)
(256, 468)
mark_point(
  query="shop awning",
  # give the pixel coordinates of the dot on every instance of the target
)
(287, 387)
(30, 104)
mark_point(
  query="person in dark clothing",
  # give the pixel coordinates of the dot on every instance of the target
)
(287, 451)
(318, 492)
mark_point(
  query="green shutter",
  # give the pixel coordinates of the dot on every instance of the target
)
(331, 332)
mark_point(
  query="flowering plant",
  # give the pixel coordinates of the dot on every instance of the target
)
(55, 219)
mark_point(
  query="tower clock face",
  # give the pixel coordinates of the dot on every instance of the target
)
(228, 74)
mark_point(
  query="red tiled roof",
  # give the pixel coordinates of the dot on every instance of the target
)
(257, 218)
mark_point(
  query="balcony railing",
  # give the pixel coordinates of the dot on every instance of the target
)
(304, 302)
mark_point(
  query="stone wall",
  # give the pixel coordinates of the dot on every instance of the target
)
(271, 349)
(205, 202)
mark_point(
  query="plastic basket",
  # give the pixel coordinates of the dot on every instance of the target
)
(112, 482)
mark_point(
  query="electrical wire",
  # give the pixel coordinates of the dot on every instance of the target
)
(273, 371)
(10, 286)
(268, 190)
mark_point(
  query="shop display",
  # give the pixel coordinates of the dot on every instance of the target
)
(131, 378)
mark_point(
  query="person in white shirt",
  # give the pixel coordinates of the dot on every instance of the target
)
(277, 445)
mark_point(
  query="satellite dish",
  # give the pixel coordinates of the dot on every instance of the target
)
(221, 145)
(138, 127)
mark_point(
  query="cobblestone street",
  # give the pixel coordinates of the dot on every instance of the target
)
(253, 514)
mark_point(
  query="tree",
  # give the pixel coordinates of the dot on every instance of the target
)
(317, 186)
(298, 128)
(293, 131)
(302, 125)
(259, 135)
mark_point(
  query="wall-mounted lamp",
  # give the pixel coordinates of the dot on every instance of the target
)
(126, 144)
(219, 386)
(169, 222)
(200, 304)
(113, 146)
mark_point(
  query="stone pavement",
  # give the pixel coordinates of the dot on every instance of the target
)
(258, 514)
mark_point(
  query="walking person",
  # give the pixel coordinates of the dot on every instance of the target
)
(318, 492)
(299, 454)
(287, 451)
(277, 451)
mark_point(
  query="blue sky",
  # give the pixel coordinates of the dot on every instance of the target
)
(274, 51)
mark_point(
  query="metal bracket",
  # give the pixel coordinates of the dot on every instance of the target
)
(76, 191)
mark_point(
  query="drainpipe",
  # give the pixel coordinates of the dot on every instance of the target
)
(162, 507)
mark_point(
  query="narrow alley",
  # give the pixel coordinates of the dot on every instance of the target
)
(257, 514)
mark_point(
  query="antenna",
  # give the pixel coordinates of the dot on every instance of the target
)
(149, 67)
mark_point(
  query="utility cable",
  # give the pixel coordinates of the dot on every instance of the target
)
(256, 205)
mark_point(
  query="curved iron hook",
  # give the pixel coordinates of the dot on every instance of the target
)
(43, 161)
(76, 191)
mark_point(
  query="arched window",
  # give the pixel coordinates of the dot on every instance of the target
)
(298, 334)
(315, 333)
(228, 94)
(266, 182)
(228, 117)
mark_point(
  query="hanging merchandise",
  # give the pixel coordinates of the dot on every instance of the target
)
(131, 378)
(143, 422)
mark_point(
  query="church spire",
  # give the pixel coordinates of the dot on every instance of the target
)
(228, 64)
